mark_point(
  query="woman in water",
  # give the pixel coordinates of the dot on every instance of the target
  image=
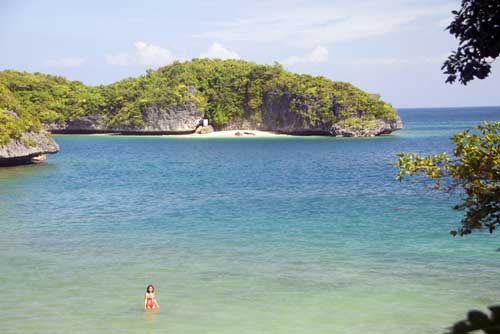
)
(150, 302)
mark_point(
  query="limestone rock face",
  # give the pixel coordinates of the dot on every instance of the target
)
(84, 124)
(179, 119)
(29, 146)
(380, 128)
(277, 116)
(156, 120)
(87, 123)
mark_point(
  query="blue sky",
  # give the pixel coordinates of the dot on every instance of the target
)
(390, 47)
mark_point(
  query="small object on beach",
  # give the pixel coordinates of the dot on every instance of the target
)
(202, 130)
(238, 134)
(39, 159)
(249, 133)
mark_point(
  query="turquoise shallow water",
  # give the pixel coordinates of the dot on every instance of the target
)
(240, 235)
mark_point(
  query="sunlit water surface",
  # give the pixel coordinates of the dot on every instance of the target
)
(240, 235)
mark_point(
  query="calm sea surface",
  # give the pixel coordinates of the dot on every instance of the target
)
(240, 235)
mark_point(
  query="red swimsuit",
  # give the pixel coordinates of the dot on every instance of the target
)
(150, 302)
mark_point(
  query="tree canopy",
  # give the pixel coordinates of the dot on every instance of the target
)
(479, 321)
(477, 26)
(14, 119)
(473, 171)
(225, 90)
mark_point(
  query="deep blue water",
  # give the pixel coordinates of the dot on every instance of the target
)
(240, 235)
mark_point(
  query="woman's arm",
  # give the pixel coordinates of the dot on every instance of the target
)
(156, 303)
(145, 301)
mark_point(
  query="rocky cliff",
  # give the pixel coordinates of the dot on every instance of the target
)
(156, 121)
(27, 149)
(276, 116)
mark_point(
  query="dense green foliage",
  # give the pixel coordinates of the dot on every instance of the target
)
(51, 98)
(235, 89)
(477, 26)
(12, 126)
(224, 90)
(474, 170)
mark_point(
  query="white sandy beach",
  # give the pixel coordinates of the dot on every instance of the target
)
(215, 134)
(232, 133)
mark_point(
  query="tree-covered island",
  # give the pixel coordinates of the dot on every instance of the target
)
(231, 94)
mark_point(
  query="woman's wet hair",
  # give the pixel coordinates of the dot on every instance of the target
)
(150, 286)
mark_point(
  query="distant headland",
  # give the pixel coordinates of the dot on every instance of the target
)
(197, 96)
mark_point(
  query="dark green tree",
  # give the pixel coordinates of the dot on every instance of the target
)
(478, 321)
(477, 26)
(473, 171)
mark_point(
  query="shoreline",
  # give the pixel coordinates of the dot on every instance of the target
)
(219, 134)
(214, 134)
(232, 134)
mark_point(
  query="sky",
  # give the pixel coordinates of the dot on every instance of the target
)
(394, 48)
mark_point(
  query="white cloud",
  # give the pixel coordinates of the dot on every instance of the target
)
(318, 55)
(217, 51)
(144, 54)
(149, 54)
(66, 62)
(308, 24)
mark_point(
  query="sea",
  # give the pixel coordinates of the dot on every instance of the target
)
(241, 235)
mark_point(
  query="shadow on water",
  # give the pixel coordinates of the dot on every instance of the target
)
(150, 316)
(14, 173)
